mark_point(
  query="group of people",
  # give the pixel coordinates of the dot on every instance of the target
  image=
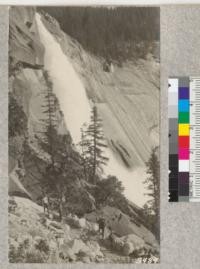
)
(101, 221)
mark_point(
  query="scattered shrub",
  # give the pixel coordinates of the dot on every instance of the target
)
(42, 246)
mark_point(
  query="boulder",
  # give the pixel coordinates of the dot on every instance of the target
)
(122, 225)
(37, 239)
(74, 217)
(85, 259)
(13, 243)
(99, 259)
(93, 227)
(27, 239)
(93, 245)
(91, 250)
(51, 216)
(95, 250)
(78, 245)
(127, 244)
(52, 244)
(55, 224)
(24, 222)
(65, 252)
(66, 228)
(136, 241)
(67, 256)
(58, 234)
(81, 223)
(128, 248)
(117, 243)
(75, 221)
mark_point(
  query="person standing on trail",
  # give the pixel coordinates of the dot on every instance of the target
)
(45, 202)
(102, 224)
(111, 236)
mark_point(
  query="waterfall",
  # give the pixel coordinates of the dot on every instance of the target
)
(66, 84)
(75, 106)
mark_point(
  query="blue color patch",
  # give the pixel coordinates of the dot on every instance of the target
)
(183, 105)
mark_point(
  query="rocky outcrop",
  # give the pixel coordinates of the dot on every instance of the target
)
(27, 84)
(16, 188)
(120, 96)
(35, 238)
(127, 101)
(77, 249)
(130, 126)
(128, 98)
(24, 45)
(123, 227)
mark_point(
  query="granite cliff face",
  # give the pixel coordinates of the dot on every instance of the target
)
(25, 46)
(128, 103)
(127, 99)
(27, 84)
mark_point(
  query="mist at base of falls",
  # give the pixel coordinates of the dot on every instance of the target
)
(75, 106)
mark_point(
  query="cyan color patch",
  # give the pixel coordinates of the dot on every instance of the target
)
(183, 105)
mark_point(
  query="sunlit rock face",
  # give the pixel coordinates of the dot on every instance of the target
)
(127, 98)
(127, 101)
(24, 45)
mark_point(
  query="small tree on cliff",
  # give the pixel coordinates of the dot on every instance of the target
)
(108, 191)
(153, 187)
(64, 161)
(49, 122)
(93, 143)
(84, 144)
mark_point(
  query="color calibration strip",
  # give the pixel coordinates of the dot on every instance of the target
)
(182, 180)
(183, 139)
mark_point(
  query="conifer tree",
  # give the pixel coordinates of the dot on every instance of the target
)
(64, 166)
(153, 187)
(93, 143)
(84, 144)
(53, 144)
(49, 122)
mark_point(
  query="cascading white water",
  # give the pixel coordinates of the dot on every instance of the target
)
(66, 84)
(76, 109)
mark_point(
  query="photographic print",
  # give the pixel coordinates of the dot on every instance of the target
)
(84, 181)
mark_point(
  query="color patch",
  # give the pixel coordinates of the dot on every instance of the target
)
(183, 93)
(184, 141)
(183, 130)
(183, 105)
(183, 165)
(184, 176)
(183, 154)
(184, 191)
(183, 117)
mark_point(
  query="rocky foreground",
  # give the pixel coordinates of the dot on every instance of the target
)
(34, 238)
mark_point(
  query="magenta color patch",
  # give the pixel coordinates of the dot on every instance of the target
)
(183, 154)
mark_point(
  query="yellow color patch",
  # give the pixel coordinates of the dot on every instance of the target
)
(183, 129)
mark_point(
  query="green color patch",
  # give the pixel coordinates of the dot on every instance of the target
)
(183, 117)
